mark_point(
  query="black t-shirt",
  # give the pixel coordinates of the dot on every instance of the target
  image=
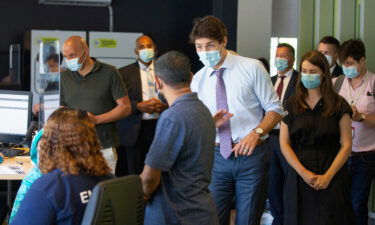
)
(311, 127)
(96, 93)
(57, 198)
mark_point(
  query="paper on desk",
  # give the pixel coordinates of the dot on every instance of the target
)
(11, 170)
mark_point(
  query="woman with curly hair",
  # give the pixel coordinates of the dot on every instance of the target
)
(315, 138)
(72, 164)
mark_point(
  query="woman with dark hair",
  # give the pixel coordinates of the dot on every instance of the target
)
(315, 138)
(72, 164)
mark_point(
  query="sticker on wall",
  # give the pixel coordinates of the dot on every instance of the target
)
(105, 43)
(46, 39)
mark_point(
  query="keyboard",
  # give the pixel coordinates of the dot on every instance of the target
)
(8, 152)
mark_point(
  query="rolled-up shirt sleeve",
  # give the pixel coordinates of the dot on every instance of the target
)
(264, 90)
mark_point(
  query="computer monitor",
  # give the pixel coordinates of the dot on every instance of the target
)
(51, 102)
(15, 114)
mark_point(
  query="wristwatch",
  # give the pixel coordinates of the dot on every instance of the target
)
(259, 131)
(363, 117)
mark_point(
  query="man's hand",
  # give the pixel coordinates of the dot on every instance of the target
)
(356, 115)
(221, 117)
(247, 145)
(36, 109)
(93, 118)
(148, 106)
(159, 106)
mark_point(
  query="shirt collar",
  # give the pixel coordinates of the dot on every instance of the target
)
(144, 67)
(287, 74)
(192, 96)
(227, 64)
(97, 66)
(362, 81)
(364, 77)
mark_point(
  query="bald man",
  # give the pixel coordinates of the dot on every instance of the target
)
(96, 88)
(137, 131)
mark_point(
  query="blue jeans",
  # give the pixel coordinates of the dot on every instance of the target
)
(362, 171)
(244, 178)
(276, 181)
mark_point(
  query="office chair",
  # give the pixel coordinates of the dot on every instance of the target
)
(118, 201)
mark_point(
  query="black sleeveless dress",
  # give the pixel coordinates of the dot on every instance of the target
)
(316, 142)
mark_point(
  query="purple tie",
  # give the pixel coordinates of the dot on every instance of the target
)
(221, 103)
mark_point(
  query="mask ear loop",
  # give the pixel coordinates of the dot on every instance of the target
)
(81, 56)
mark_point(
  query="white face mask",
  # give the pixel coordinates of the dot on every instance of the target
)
(329, 59)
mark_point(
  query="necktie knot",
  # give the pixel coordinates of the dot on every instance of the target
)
(219, 72)
(279, 89)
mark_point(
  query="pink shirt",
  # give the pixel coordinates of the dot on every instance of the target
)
(364, 135)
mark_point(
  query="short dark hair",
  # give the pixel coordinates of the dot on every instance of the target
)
(286, 45)
(174, 69)
(208, 27)
(330, 40)
(352, 48)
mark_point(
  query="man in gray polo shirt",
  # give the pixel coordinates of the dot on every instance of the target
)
(179, 163)
(96, 88)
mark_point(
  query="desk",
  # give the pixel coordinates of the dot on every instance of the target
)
(26, 166)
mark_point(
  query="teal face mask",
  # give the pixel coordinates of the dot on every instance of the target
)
(209, 58)
(310, 81)
(281, 64)
(73, 64)
(147, 55)
(350, 71)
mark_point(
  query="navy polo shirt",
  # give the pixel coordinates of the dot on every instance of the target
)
(56, 198)
(183, 149)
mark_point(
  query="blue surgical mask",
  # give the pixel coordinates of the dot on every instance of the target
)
(350, 71)
(281, 64)
(147, 55)
(310, 81)
(73, 64)
(209, 58)
(329, 59)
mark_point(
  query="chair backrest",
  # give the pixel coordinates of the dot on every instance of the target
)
(116, 201)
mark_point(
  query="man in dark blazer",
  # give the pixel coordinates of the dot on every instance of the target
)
(137, 130)
(285, 83)
(330, 46)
